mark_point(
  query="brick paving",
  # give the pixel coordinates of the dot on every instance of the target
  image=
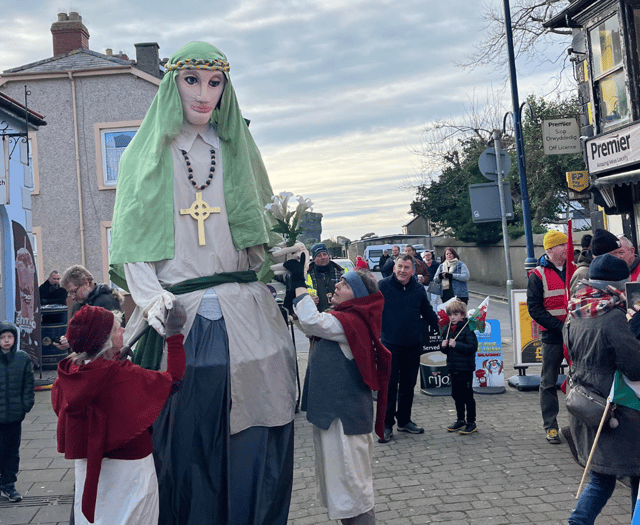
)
(506, 473)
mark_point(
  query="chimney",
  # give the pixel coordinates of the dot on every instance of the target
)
(69, 33)
(148, 58)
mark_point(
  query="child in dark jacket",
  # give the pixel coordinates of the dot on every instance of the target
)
(460, 345)
(16, 399)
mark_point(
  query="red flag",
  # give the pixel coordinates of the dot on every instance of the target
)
(571, 263)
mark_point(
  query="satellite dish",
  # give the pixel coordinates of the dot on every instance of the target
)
(579, 42)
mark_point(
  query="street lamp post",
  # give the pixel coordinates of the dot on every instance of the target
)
(530, 262)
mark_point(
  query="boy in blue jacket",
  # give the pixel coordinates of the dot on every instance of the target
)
(16, 399)
(460, 345)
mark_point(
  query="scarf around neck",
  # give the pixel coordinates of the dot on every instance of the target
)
(592, 301)
(448, 267)
(361, 320)
(143, 229)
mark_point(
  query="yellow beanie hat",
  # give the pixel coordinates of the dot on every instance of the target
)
(553, 238)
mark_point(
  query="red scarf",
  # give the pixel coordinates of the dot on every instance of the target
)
(361, 320)
(101, 406)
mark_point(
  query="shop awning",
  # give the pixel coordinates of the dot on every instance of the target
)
(606, 184)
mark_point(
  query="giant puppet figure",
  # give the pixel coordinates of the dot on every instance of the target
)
(189, 219)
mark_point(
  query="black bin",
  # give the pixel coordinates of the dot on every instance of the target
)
(52, 326)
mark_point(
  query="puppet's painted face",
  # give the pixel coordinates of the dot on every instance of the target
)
(200, 91)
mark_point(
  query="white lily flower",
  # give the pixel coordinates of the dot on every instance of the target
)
(275, 209)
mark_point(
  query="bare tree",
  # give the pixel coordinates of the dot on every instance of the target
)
(530, 39)
(441, 140)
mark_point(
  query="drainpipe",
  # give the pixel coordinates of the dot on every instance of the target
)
(78, 173)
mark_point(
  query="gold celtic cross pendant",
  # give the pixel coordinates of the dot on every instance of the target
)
(200, 211)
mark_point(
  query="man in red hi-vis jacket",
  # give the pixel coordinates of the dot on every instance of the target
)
(547, 304)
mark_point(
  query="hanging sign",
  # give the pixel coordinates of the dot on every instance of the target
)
(560, 136)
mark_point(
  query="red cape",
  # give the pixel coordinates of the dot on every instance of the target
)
(101, 406)
(361, 320)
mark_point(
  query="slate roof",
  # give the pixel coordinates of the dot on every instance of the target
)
(77, 59)
(6, 102)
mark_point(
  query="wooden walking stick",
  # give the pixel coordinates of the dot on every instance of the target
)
(593, 447)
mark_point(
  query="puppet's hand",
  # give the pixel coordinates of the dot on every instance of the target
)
(176, 317)
(297, 270)
(281, 253)
(156, 312)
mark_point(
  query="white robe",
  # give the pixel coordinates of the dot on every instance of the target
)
(261, 352)
(127, 492)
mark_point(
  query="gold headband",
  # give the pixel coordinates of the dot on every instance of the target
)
(192, 63)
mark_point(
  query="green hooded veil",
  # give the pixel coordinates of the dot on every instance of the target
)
(142, 228)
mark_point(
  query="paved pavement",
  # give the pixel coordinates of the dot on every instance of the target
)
(506, 473)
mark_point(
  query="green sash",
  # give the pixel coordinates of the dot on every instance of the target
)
(150, 346)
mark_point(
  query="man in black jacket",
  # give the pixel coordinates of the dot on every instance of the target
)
(81, 287)
(79, 284)
(405, 301)
(51, 292)
(547, 305)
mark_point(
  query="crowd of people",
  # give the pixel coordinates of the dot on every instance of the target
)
(202, 415)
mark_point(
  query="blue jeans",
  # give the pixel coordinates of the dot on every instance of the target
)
(593, 499)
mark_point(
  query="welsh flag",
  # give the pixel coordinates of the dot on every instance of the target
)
(478, 318)
(625, 393)
(443, 318)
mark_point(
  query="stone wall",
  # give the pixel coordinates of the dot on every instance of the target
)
(487, 263)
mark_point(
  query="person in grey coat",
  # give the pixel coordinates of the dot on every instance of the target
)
(600, 341)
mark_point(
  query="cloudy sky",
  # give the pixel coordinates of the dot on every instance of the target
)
(337, 91)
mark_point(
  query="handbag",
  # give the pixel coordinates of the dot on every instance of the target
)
(586, 405)
(435, 287)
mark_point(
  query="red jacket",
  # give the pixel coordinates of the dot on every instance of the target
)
(105, 409)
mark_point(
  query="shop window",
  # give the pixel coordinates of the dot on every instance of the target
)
(609, 77)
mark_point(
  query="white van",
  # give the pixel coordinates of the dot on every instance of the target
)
(373, 253)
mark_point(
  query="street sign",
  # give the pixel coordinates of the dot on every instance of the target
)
(578, 180)
(485, 202)
(488, 164)
(560, 136)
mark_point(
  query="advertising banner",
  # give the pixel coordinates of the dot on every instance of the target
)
(526, 332)
(27, 295)
(489, 375)
(613, 150)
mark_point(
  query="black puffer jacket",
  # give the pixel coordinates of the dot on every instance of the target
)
(16, 380)
(462, 357)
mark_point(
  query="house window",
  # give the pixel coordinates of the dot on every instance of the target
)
(114, 142)
(609, 79)
(105, 234)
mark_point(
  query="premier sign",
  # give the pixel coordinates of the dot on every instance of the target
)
(614, 150)
(560, 136)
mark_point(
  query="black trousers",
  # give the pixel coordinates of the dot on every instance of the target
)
(405, 364)
(10, 434)
(462, 394)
